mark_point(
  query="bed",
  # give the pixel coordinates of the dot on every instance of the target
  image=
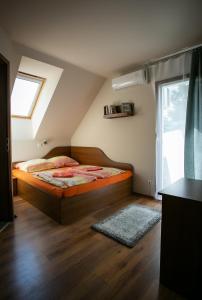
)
(66, 206)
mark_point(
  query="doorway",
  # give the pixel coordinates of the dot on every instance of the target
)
(6, 198)
(172, 104)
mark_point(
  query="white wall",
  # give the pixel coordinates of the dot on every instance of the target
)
(29, 149)
(129, 139)
(21, 129)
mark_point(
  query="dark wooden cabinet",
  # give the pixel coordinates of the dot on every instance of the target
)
(181, 238)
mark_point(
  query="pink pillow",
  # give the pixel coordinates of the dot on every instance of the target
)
(63, 161)
(65, 174)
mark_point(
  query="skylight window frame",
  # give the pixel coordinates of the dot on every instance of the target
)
(30, 77)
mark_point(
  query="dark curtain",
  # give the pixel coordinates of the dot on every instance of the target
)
(193, 131)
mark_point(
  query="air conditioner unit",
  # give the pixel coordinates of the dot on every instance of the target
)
(134, 78)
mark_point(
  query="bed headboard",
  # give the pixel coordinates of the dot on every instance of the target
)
(95, 156)
(88, 156)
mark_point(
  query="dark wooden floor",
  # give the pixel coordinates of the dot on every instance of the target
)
(40, 259)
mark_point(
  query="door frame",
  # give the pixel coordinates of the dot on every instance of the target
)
(6, 193)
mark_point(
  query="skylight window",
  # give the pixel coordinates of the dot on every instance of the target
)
(25, 94)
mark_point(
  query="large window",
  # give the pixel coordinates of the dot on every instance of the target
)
(25, 94)
(171, 131)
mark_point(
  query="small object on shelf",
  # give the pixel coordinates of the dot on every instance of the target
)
(112, 109)
(128, 107)
(106, 110)
(118, 108)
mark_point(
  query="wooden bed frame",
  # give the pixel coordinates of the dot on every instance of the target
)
(67, 210)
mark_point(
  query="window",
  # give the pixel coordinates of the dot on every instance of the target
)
(171, 131)
(25, 94)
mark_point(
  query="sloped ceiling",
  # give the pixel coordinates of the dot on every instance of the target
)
(101, 35)
(73, 95)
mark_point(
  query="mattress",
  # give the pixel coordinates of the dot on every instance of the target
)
(70, 191)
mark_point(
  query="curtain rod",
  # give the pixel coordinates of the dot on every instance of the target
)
(184, 50)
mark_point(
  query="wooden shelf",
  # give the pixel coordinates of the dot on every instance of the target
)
(117, 115)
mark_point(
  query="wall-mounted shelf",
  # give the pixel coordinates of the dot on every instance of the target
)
(117, 115)
(125, 109)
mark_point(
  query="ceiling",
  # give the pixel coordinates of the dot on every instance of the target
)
(104, 36)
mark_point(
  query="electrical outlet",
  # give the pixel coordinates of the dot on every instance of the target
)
(149, 181)
(150, 186)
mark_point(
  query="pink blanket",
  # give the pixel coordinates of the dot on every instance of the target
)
(71, 172)
(98, 172)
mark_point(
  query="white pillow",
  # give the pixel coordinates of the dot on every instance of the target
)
(35, 165)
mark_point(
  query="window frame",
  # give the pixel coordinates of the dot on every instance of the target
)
(27, 77)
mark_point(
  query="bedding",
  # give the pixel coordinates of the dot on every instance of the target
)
(98, 172)
(41, 164)
(63, 174)
(63, 161)
(91, 168)
(68, 177)
(64, 182)
(70, 173)
(35, 165)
